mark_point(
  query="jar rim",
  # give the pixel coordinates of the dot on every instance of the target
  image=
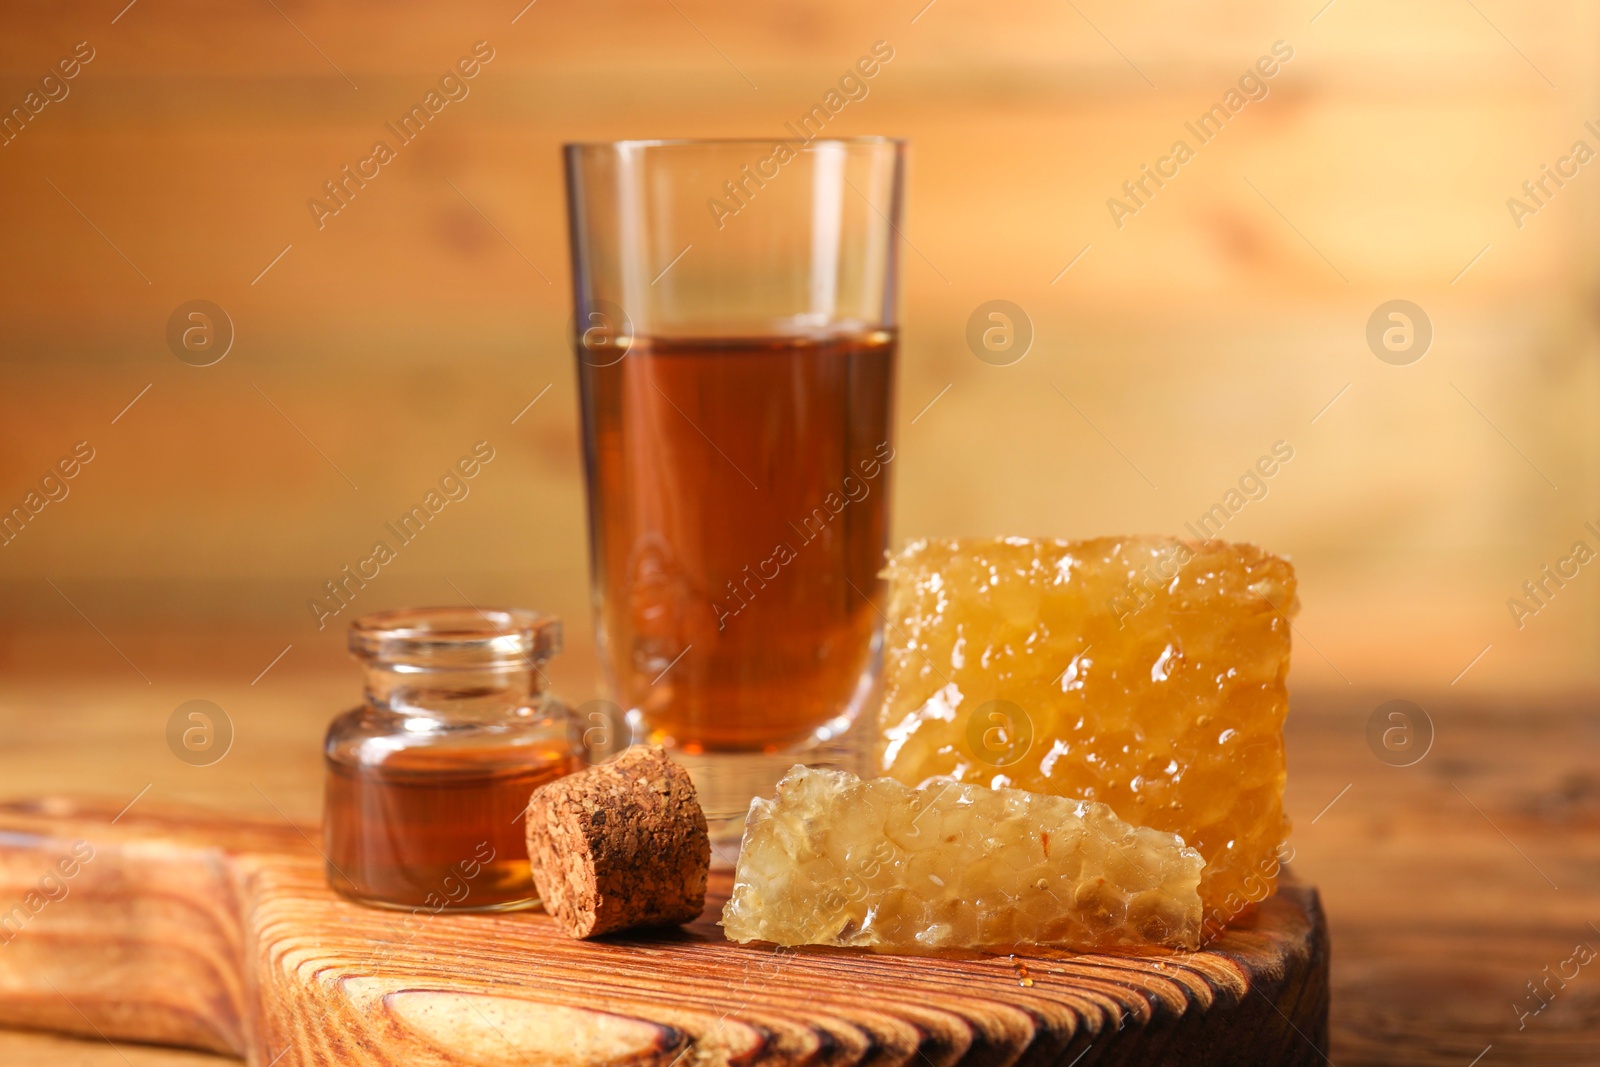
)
(456, 637)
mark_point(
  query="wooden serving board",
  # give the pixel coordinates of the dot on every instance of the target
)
(194, 929)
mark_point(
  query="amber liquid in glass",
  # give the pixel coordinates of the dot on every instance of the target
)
(738, 496)
(434, 827)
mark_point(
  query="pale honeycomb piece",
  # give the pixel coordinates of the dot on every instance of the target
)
(1146, 673)
(837, 860)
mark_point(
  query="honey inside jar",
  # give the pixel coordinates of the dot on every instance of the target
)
(427, 782)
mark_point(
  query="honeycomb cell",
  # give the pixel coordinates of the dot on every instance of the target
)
(1147, 673)
(837, 860)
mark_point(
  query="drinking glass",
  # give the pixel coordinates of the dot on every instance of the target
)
(734, 324)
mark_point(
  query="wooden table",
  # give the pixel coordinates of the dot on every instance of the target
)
(1449, 885)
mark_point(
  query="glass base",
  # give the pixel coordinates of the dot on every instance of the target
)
(726, 783)
(519, 904)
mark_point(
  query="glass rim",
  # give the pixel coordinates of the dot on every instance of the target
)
(455, 637)
(690, 142)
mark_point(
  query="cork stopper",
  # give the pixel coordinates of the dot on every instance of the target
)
(620, 845)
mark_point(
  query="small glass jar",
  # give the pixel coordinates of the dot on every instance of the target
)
(427, 781)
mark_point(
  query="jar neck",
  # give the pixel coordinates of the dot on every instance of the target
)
(455, 695)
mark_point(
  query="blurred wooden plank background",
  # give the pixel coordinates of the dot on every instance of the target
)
(1222, 318)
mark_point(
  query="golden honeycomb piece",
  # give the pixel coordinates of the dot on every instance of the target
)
(1145, 673)
(837, 860)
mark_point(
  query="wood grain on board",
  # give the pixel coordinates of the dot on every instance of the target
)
(183, 928)
(1433, 876)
